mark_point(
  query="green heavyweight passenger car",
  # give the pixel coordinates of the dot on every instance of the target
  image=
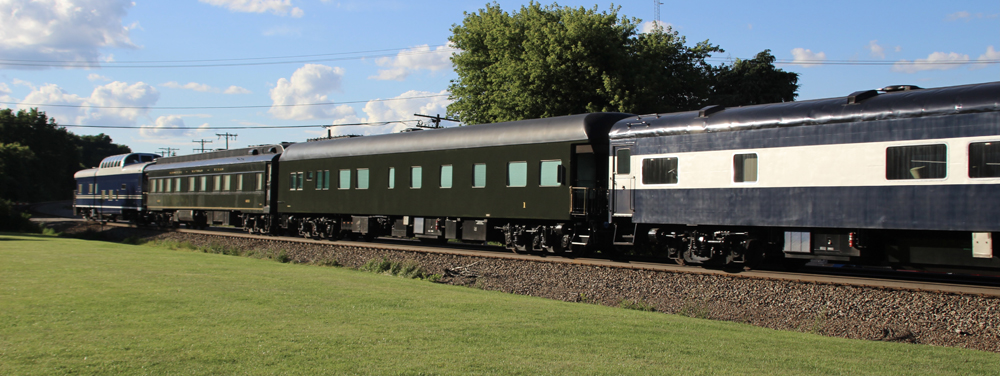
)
(222, 187)
(528, 184)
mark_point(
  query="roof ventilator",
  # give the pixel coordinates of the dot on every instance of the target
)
(859, 96)
(893, 88)
(707, 111)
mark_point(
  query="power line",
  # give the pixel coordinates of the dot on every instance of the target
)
(237, 127)
(105, 65)
(223, 107)
(218, 60)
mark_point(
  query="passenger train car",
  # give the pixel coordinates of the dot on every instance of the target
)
(899, 176)
(114, 189)
(902, 175)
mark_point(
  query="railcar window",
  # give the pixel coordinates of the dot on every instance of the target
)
(446, 173)
(90, 189)
(227, 183)
(291, 181)
(659, 170)
(319, 180)
(517, 174)
(623, 159)
(550, 175)
(260, 181)
(479, 175)
(309, 176)
(204, 183)
(169, 185)
(177, 185)
(416, 177)
(239, 183)
(362, 178)
(392, 177)
(745, 168)
(345, 179)
(191, 185)
(984, 159)
(217, 183)
(916, 162)
(299, 184)
(326, 180)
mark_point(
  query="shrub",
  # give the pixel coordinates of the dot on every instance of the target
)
(13, 220)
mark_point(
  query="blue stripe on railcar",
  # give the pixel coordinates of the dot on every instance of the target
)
(121, 192)
(925, 207)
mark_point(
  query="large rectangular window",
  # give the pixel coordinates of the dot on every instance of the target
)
(446, 172)
(191, 184)
(416, 176)
(227, 183)
(659, 170)
(260, 181)
(177, 185)
(326, 179)
(984, 159)
(203, 183)
(745, 168)
(550, 174)
(623, 161)
(479, 175)
(916, 162)
(517, 174)
(218, 182)
(319, 180)
(362, 178)
(392, 177)
(345, 179)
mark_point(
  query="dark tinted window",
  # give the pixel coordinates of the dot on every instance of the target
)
(916, 162)
(984, 160)
(745, 168)
(624, 163)
(659, 171)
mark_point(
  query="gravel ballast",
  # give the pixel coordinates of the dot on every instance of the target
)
(869, 313)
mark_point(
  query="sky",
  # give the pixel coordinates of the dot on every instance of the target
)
(162, 76)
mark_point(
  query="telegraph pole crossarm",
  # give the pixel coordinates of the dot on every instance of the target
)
(434, 119)
(227, 135)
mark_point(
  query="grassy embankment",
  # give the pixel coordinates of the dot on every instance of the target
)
(77, 307)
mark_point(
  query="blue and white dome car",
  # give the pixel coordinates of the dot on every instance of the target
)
(114, 189)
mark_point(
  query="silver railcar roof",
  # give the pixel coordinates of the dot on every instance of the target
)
(867, 106)
(535, 131)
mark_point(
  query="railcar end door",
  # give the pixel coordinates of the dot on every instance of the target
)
(622, 182)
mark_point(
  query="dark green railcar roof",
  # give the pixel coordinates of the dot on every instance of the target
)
(586, 127)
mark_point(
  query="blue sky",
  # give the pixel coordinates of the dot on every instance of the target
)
(175, 71)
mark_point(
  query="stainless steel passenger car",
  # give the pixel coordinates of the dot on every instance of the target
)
(895, 176)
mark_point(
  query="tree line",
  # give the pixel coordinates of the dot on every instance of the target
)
(38, 157)
(547, 61)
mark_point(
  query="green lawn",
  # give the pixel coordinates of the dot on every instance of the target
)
(82, 307)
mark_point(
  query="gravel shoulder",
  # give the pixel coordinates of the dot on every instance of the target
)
(877, 314)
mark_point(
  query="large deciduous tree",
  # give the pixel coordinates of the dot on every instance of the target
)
(549, 60)
(38, 157)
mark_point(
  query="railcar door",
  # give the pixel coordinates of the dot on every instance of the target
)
(622, 182)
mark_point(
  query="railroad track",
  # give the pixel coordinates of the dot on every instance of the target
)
(895, 280)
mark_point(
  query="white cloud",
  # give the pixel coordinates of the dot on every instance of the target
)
(190, 86)
(394, 110)
(63, 30)
(169, 126)
(990, 57)
(962, 15)
(97, 77)
(278, 7)
(414, 59)
(127, 102)
(4, 89)
(282, 31)
(237, 90)
(806, 58)
(876, 50)
(309, 84)
(648, 26)
(205, 88)
(935, 61)
(133, 101)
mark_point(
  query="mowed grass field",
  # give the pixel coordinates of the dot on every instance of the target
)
(85, 307)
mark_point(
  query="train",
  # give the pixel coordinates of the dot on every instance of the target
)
(896, 177)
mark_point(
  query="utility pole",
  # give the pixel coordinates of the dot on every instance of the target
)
(169, 152)
(227, 136)
(434, 119)
(202, 142)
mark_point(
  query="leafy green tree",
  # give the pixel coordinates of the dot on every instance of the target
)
(546, 61)
(95, 148)
(38, 157)
(754, 81)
